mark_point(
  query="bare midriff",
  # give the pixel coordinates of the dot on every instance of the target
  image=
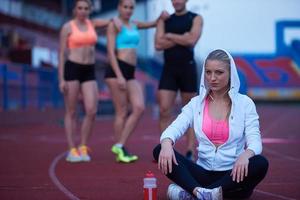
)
(82, 55)
(128, 56)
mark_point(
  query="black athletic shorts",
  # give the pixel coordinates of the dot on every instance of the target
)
(179, 75)
(127, 70)
(81, 72)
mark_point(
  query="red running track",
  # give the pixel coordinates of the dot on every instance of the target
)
(32, 146)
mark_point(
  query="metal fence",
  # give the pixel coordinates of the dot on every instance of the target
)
(23, 86)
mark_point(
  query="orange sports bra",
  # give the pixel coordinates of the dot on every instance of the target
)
(79, 38)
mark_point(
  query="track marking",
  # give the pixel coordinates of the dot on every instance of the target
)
(55, 180)
(70, 195)
(274, 195)
(267, 132)
(280, 141)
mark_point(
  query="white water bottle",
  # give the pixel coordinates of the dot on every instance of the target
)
(150, 187)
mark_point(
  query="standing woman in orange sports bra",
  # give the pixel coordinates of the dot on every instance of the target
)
(122, 41)
(77, 75)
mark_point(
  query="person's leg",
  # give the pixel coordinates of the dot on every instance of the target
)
(188, 84)
(119, 98)
(186, 97)
(186, 174)
(166, 100)
(166, 95)
(89, 91)
(257, 169)
(71, 100)
(136, 98)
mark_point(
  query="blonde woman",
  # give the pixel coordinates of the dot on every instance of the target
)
(122, 41)
(77, 75)
(226, 126)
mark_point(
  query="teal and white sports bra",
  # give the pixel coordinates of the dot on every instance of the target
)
(128, 37)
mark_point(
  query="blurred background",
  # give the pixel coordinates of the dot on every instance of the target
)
(263, 36)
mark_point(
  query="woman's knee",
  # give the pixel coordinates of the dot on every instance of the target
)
(91, 112)
(156, 151)
(164, 112)
(263, 163)
(138, 109)
(121, 111)
(260, 165)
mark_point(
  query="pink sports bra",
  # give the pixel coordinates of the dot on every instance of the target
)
(217, 131)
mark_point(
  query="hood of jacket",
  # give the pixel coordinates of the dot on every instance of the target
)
(234, 80)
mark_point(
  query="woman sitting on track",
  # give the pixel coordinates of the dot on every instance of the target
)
(227, 130)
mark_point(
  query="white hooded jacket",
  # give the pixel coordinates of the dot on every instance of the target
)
(243, 122)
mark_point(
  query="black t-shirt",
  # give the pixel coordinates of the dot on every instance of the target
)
(179, 25)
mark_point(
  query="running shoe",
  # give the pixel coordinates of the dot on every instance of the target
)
(83, 151)
(175, 192)
(122, 155)
(210, 194)
(73, 156)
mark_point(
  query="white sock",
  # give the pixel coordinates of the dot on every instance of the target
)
(119, 145)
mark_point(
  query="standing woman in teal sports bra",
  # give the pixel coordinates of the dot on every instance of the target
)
(77, 76)
(122, 41)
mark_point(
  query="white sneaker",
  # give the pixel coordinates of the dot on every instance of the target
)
(73, 156)
(210, 194)
(175, 192)
(83, 152)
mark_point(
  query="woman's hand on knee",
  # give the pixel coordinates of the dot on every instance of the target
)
(240, 169)
(166, 157)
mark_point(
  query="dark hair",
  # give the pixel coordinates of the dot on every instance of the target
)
(219, 55)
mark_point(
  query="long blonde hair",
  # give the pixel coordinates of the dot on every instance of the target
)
(219, 55)
(222, 56)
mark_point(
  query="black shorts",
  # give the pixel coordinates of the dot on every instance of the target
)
(81, 72)
(127, 70)
(179, 76)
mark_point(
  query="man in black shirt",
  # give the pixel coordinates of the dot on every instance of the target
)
(177, 36)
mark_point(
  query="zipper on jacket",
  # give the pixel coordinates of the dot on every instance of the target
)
(213, 163)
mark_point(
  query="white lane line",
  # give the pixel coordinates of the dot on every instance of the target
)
(277, 140)
(55, 180)
(274, 195)
(267, 131)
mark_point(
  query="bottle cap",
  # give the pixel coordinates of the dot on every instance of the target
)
(149, 174)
